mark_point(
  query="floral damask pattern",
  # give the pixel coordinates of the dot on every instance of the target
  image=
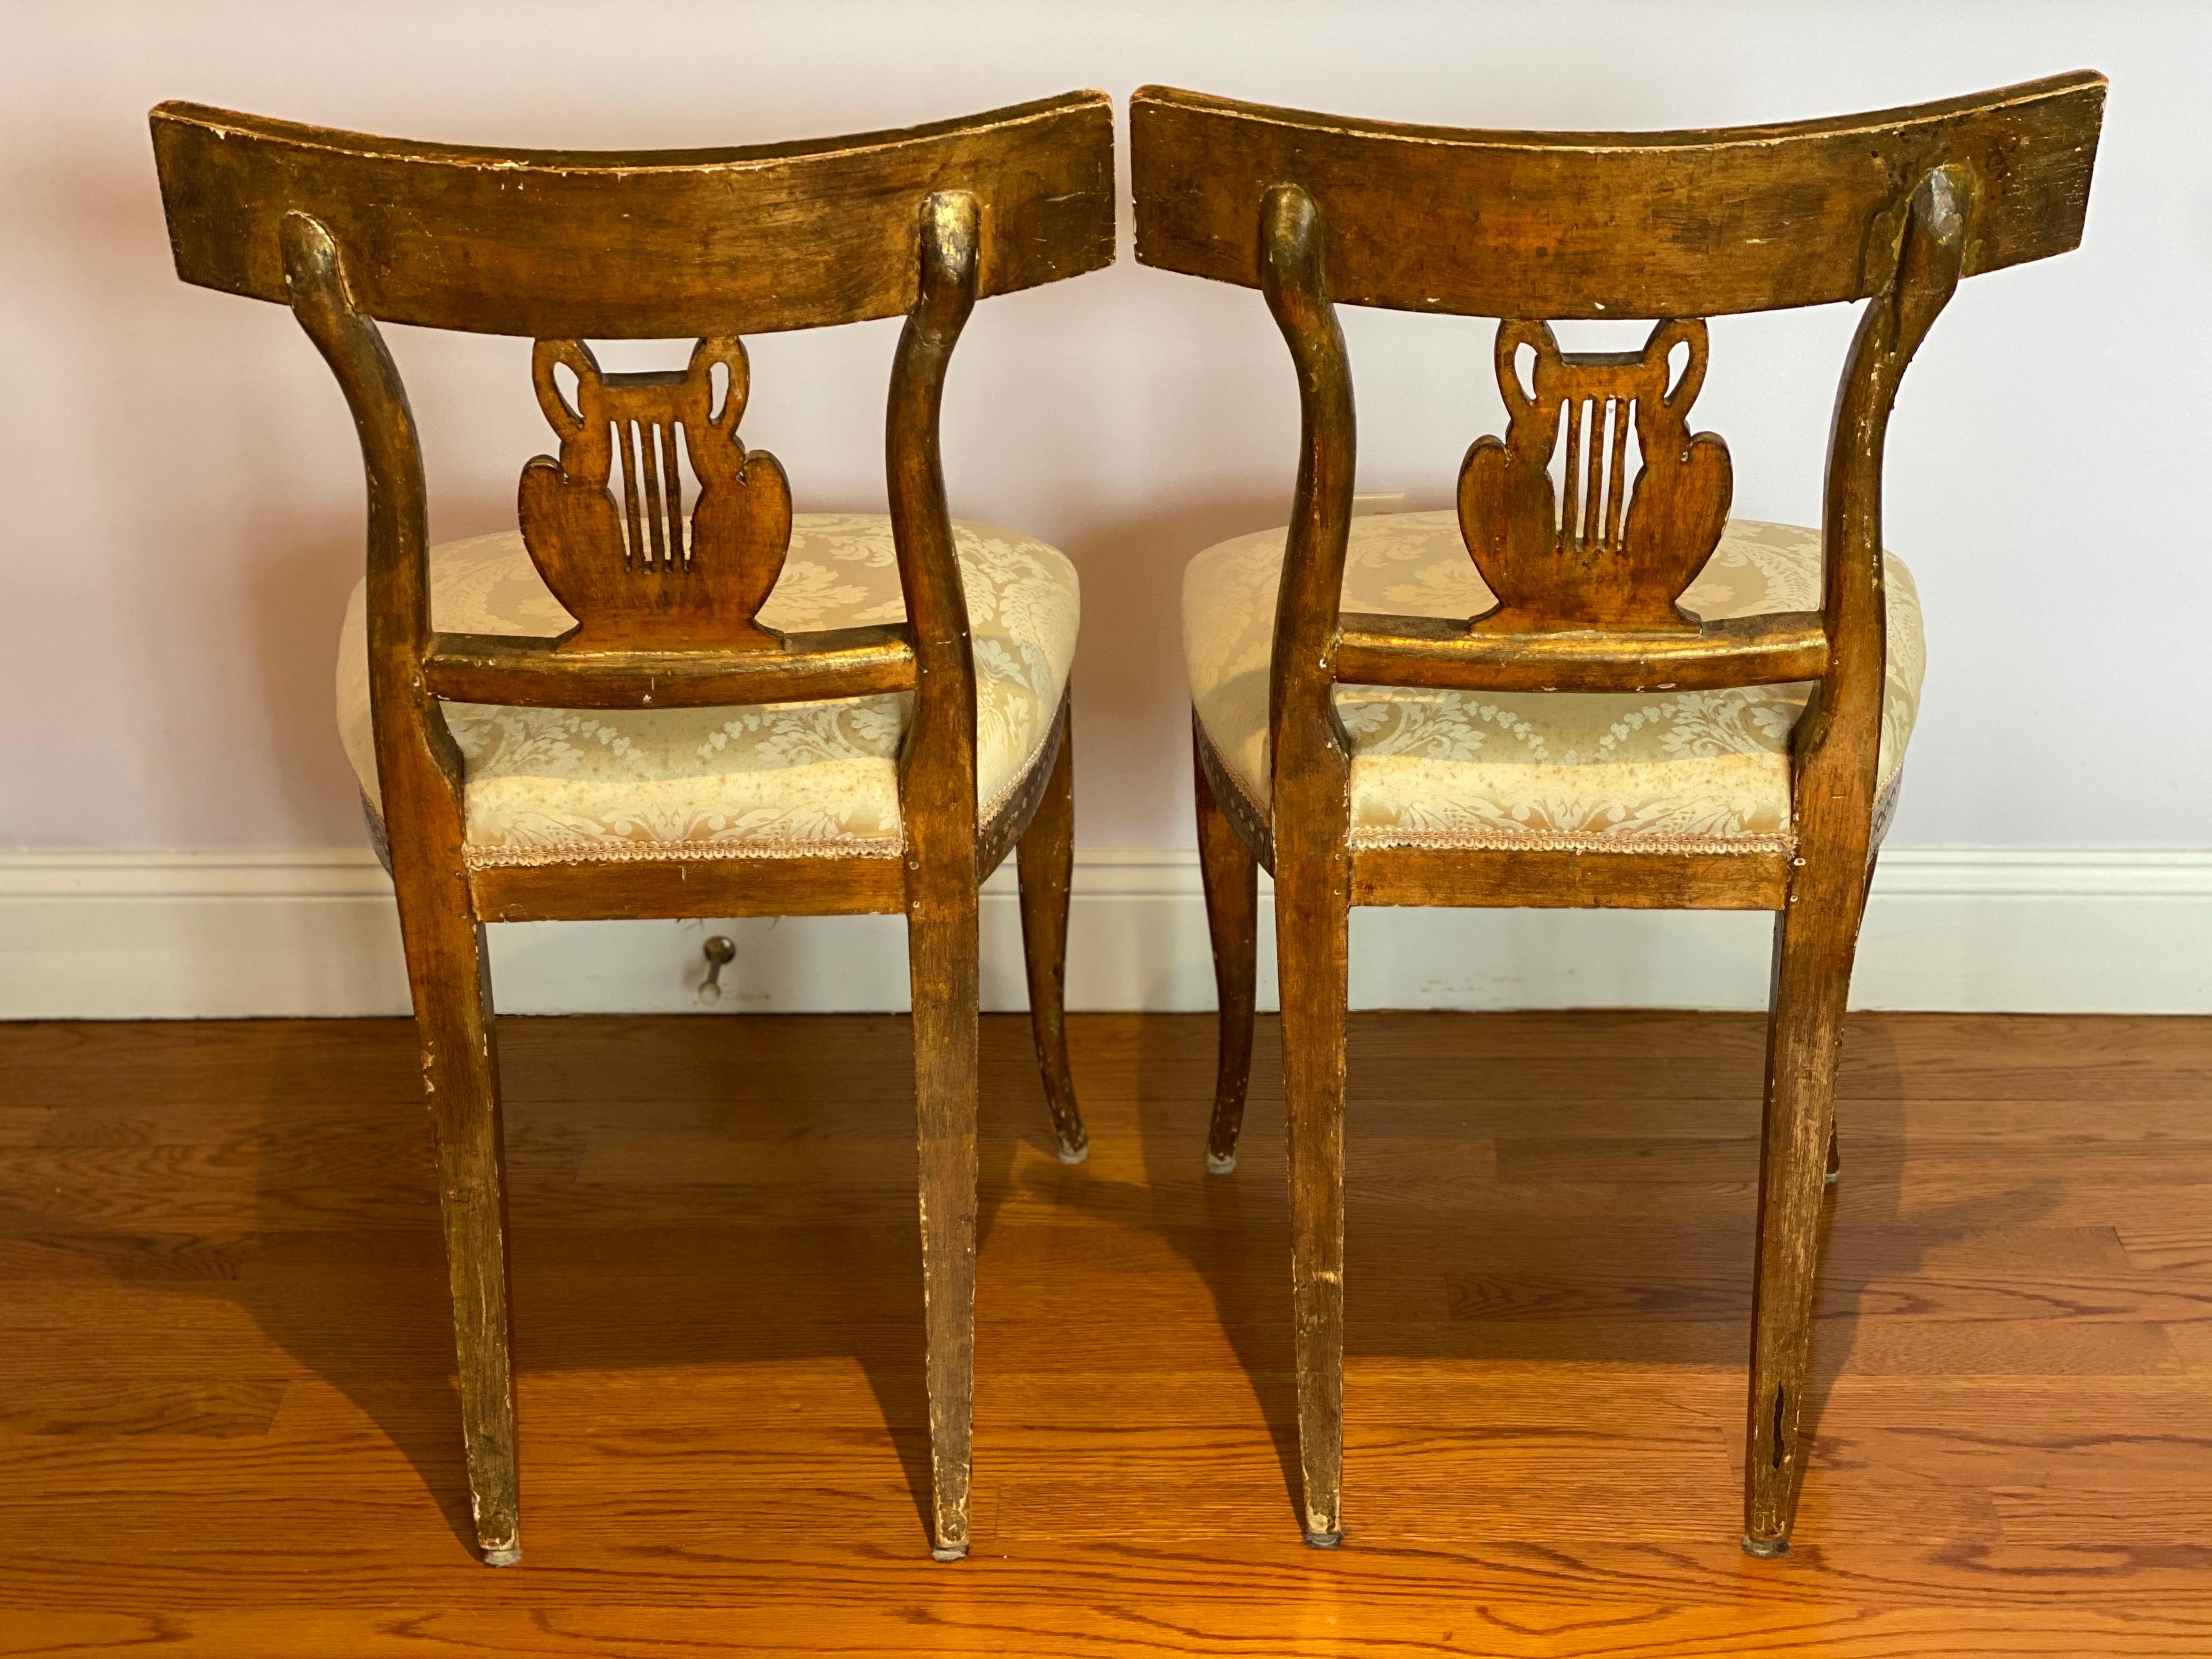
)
(1688, 771)
(767, 780)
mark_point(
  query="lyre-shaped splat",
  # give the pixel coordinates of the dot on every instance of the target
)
(1615, 553)
(630, 575)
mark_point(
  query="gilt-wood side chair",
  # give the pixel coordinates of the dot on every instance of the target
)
(629, 710)
(1377, 702)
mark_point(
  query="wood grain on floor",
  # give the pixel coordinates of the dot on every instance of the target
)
(228, 1424)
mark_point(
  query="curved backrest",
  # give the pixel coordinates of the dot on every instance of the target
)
(645, 243)
(1575, 224)
(1587, 570)
(666, 584)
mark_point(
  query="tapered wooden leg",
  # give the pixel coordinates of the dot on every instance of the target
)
(942, 944)
(1232, 916)
(1835, 1148)
(1045, 861)
(460, 1069)
(1312, 916)
(1814, 948)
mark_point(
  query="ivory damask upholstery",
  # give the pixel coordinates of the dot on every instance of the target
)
(771, 779)
(1689, 771)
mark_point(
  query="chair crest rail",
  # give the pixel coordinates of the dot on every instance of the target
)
(642, 245)
(1607, 224)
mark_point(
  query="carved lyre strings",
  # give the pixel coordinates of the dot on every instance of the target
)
(640, 574)
(651, 476)
(1603, 546)
(1598, 441)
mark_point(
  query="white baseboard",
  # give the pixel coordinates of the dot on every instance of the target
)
(122, 935)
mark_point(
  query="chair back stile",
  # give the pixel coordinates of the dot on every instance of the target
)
(936, 762)
(1837, 746)
(1308, 755)
(418, 762)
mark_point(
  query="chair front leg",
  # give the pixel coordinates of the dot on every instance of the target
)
(450, 977)
(1312, 936)
(942, 949)
(1232, 917)
(1815, 939)
(1045, 861)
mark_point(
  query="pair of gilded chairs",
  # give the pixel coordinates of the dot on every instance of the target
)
(670, 696)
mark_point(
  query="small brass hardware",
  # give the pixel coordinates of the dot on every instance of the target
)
(721, 952)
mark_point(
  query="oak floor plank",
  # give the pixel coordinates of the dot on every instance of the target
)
(228, 1426)
(1514, 1630)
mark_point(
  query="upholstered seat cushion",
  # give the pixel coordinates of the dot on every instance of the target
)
(1689, 771)
(778, 780)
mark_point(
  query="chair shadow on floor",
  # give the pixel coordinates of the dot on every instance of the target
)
(1655, 1299)
(633, 1250)
(627, 1252)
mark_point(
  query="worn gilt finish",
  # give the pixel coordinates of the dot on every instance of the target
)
(630, 574)
(654, 245)
(1609, 224)
(1618, 548)
(1893, 208)
(666, 578)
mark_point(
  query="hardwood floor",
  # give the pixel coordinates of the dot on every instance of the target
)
(228, 1424)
